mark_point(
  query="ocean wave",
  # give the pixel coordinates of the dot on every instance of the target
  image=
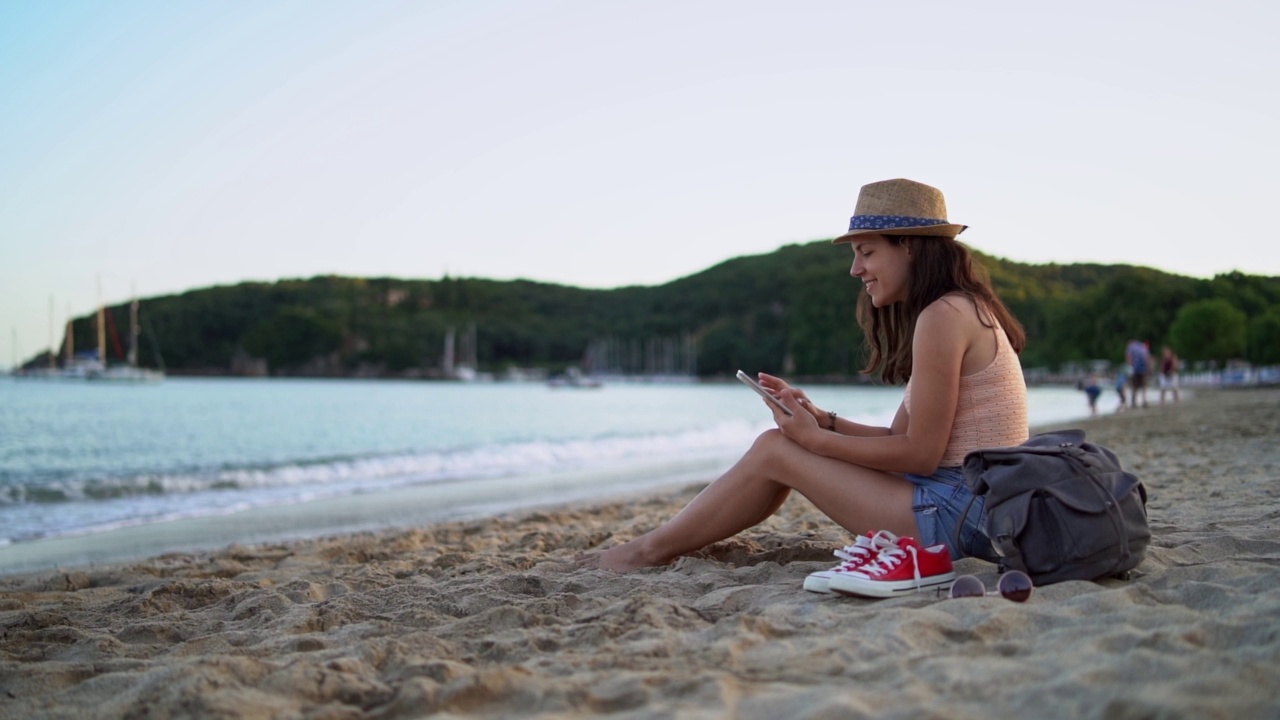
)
(350, 474)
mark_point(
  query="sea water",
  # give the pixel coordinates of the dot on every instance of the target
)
(212, 461)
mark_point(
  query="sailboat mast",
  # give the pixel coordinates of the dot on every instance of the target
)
(70, 349)
(102, 327)
(447, 360)
(53, 349)
(133, 330)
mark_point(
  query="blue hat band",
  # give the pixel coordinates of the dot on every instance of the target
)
(885, 222)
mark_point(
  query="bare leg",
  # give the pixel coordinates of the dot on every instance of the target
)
(858, 499)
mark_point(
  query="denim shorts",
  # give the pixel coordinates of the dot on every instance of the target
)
(938, 502)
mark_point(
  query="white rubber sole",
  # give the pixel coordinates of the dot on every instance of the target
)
(818, 583)
(852, 585)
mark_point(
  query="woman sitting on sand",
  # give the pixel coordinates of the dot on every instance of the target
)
(932, 320)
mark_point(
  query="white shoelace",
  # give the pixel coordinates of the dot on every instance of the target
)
(855, 555)
(852, 555)
(890, 558)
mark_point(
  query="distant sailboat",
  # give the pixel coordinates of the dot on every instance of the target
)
(574, 378)
(462, 365)
(93, 365)
(129, 372)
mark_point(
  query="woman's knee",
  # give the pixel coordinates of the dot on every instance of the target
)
(770, 445)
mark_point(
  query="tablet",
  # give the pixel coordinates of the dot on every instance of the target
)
(751, 383)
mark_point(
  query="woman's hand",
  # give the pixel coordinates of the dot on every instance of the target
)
(777, 386)
(800, 423)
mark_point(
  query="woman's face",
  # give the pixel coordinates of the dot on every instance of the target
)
(883, 266)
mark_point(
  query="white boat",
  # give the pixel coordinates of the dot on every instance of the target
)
(129, 372)
(90, 368)
(462, 364)
(574, 378)
(92, 365)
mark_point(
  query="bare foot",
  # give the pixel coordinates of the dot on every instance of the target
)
(619, 558)
(588, 560)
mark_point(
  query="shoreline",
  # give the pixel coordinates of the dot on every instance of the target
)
(490, 618)
(381, 511)
(133, 529)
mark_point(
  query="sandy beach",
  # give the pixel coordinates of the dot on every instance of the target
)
(490, 618)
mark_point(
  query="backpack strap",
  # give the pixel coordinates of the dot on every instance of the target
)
(1084, 465)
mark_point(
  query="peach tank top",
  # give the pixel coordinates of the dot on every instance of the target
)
(992, 408)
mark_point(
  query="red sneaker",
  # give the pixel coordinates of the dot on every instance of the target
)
(865, 549)
(905, 567)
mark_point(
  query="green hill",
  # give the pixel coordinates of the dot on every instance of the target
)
(791, 311)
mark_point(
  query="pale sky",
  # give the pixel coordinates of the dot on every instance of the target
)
(166, 146)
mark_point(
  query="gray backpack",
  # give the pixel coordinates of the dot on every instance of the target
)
(1060, 508)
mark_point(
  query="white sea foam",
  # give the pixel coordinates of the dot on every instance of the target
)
(98, 504)
(340, 443)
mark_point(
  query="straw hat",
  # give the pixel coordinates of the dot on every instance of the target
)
(900, 207)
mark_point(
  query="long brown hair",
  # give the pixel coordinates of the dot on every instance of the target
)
(939, 266)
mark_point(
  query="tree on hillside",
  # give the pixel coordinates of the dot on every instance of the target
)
(1254, 294)
(1208, 330)
(292, 337)
(1262, 341)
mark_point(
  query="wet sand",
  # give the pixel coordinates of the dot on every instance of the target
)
(490, 618)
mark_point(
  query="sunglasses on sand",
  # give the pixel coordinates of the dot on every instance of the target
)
(1014, 585)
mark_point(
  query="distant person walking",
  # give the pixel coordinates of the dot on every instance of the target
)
(1138, 355)
(1169, 373)
(1092, 387)
(1122, 380)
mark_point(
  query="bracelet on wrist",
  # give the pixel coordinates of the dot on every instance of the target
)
(832, 414)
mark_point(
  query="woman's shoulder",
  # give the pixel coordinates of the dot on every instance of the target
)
(954, 315)
(955, 306)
